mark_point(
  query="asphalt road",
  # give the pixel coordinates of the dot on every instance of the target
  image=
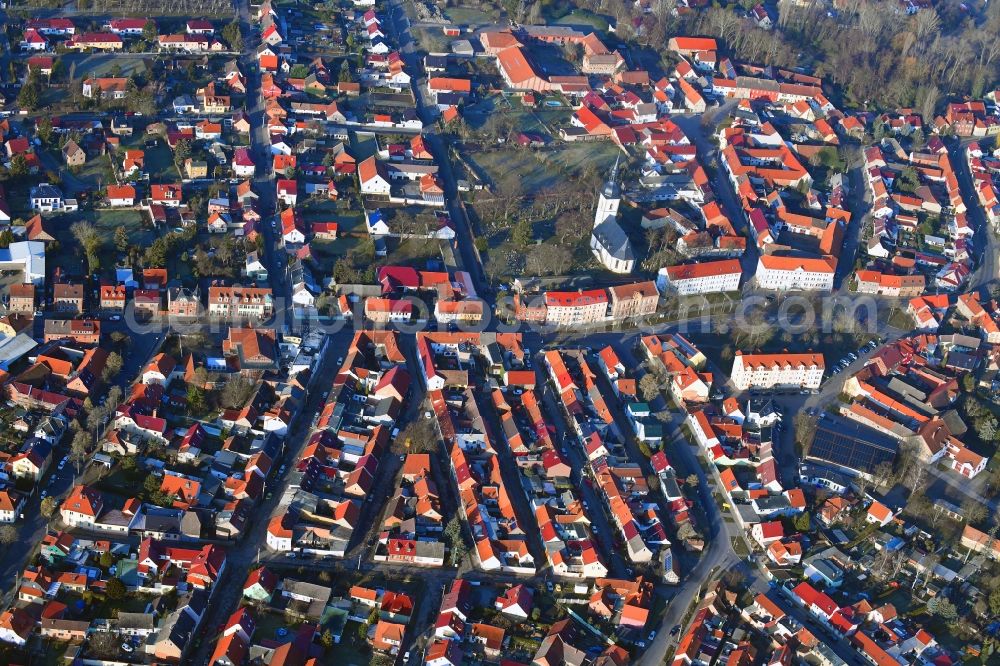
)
(985, 237)
(241, 557)
(708, 153)
(426, 107)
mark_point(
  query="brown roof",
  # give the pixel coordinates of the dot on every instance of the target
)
(636, 289)
(22, 291)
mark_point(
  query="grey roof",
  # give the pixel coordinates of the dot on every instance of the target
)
(614, 239)
(134, 621)
(303, 589)
(433, 60)
(827, 569)
(962, 361)
(905, 388)
(12, 349)
(160, 520)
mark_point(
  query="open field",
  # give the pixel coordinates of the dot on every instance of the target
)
(581, 18)
(524, 172)
(471, 15)
(68, 255)
(431, 40)
(101, 64)
(528, 177)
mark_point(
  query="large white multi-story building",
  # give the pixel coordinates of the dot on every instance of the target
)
(238, 302)
(765, 371)
(709, 277)
(799, 273)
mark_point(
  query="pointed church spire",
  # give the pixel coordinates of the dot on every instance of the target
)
(611, 189)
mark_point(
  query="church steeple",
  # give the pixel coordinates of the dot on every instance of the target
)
(611, 188)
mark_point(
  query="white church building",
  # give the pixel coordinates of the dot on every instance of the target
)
(608, 241)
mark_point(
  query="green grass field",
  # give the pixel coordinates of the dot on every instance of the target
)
(581, 17)
(68, 256)
(101, 64)
(470, 15)
(524, 172)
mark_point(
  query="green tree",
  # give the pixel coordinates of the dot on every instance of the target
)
(129, 463)
(58, 70)
(28, 98)
(878, 130)
(79, 448)
(995, 601)
(121, 239)
(522, 234)
(18, 166)
(943, 608)
(107, 559)
(456, 542)
(909, 179)
(48, 507)
(149, 33)
(158, 252)
(112, 366)
(182, 151)
(801, 522)
(44, 130)
(151, 484)
(8, 534)
(115, 588)
(326, 639)
(89, 239)
(6, 238)
(344, 76)
(986, 427)
(233, 36)
(196, 398)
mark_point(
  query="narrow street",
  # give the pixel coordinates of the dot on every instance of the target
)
(985, 238)
(860, 206)
(427, 109)
(708, 154)
(241, 557)
(600, 526)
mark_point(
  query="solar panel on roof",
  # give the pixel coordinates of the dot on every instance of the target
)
(850, 445)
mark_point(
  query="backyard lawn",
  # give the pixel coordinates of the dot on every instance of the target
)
(582, 18)
(544, 120)
(100, 64)
(96, 172)
(68, 255)
(470, 15)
